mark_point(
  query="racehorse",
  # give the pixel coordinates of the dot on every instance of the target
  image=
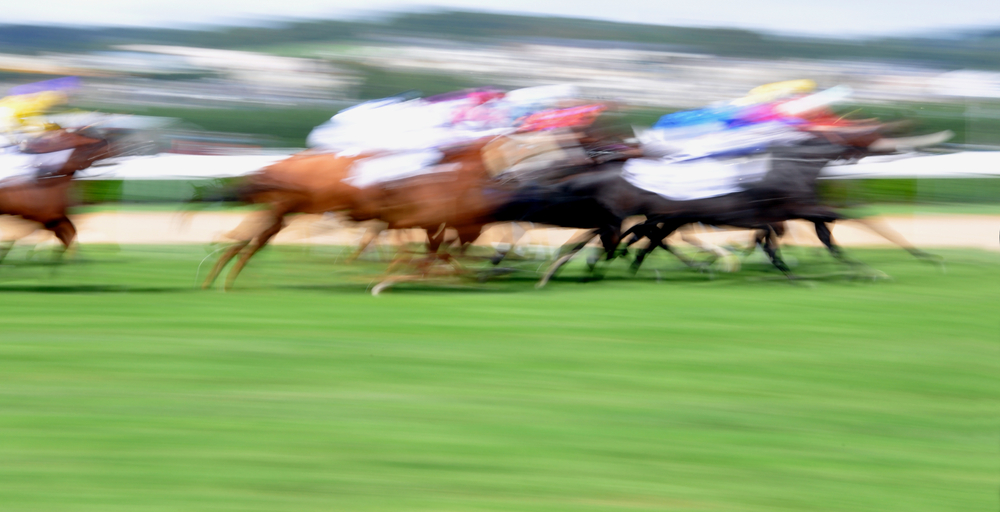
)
(788, 193)
(309, 182)
(318, 183)
(464, 198)
(44, 198)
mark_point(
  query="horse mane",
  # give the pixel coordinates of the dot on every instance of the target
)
(59, 140)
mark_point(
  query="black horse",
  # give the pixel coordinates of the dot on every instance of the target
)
(786, 192)
(560, 204)
(600, 199)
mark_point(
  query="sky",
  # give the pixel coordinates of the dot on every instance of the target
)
(840, 18)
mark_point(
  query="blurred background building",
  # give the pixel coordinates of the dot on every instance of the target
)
(331, 63)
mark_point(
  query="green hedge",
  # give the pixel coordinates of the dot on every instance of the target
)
(841, 192)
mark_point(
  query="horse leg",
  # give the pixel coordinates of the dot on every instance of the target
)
(825, 236)
(583, 241)
(433, 245)
(435, 241)
(679, 255)
(659, 240)
(640, 256)
(511, 239)
(630, 237)
(729, 262)
(610, 238)
(5, 248)
(249, 250)
(823, 232)
(370, 235)
(770, 247)
(466, 236)
(65, 231)
(230, 252)
(891, 235)
(758, 239)
(657, 234)
(761, 235)
(425, 266)
(609, 243)
(635, 234)
(406, 255)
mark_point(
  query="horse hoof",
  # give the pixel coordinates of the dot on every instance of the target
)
(729, 263)
(876, 274)
(934, 259)
(379, 287)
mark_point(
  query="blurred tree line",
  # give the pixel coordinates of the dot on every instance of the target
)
(971, 49)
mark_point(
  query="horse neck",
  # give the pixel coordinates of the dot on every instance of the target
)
(84, 156)
(810, 160)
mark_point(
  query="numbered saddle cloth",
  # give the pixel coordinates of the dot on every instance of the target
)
(381, 169)
(15, 164)
(695, 179)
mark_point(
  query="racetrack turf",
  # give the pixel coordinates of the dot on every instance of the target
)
(122, 388)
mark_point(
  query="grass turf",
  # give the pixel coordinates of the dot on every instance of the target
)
(124, 388)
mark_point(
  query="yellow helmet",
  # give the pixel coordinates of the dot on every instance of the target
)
(18, 111)
(27, 105)
(774, 91)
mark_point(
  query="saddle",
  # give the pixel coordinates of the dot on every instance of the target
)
(30, 163)
(531, 153)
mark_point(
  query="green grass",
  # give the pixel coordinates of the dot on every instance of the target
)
(928, 209)
(172, 207)
(125, 389)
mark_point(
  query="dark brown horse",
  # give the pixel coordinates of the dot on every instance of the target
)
(45, 197)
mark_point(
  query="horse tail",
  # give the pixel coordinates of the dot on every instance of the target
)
(217, 191)
(220, 192)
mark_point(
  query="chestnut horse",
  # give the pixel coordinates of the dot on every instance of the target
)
(45, 198)
(315, 183)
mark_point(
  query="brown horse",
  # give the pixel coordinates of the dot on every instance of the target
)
(305, 183)
(314, 183)
(45, 198)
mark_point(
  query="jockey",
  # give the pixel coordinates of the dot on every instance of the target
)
(392, 124)
(21, 117)
(417, 132)
(21, 112)
(772, 114)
